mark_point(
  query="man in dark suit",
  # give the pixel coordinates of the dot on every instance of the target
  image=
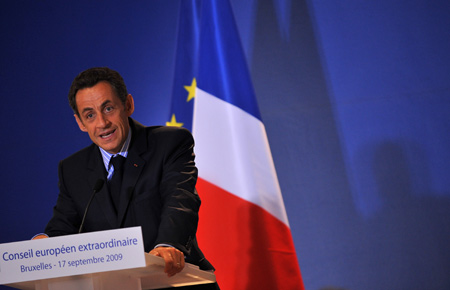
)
(157, 178)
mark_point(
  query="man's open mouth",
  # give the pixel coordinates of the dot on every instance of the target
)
(107, 134)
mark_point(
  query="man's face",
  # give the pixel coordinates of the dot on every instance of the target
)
(103, 116)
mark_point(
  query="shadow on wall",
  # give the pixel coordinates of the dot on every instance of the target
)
(410, 234)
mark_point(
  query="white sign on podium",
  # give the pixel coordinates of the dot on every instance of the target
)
(110, 260)
(71, 255)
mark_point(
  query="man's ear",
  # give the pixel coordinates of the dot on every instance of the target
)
(129, 105)
(80, 123)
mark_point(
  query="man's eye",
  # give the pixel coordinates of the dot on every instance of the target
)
(108, 109)
(89, 116)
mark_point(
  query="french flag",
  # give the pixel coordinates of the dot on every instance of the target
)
(243, 228)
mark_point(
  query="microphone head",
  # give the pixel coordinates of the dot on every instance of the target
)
(98, 185)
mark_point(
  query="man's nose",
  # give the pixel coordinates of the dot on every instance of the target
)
(102, 121)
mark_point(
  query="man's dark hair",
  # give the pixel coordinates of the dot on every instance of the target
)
(93, 76)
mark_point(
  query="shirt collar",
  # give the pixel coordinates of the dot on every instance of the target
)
(123, 151)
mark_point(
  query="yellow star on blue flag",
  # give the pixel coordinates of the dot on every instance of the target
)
(173, 122)
(191, 89)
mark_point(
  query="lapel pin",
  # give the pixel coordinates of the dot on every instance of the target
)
(135, 165)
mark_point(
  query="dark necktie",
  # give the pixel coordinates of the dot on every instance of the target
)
(115, 183)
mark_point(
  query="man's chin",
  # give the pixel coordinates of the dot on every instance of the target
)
(110, 148)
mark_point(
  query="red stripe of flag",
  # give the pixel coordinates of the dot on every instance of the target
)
(248, 246)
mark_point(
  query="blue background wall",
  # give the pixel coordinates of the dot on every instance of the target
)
(354, 95)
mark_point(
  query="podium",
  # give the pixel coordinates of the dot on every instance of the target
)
(151, 276)
(105, 260)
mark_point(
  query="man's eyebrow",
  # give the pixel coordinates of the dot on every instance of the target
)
(105, 103)
(102, 106)
(86, 109)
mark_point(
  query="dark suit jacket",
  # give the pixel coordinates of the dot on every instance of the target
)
(158, 191)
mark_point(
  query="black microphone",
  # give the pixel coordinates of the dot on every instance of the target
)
(98, 185)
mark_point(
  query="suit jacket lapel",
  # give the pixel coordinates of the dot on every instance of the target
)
(132, 170)
(98, 171)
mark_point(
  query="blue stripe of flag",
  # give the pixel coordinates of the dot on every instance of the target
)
(209, 49)
(223, 70)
